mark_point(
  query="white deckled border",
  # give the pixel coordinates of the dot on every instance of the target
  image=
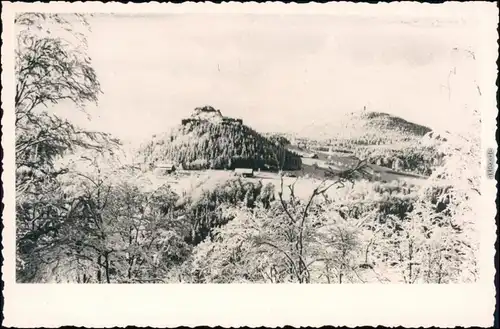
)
(39, 305)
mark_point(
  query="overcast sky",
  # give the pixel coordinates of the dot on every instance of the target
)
(278, 73)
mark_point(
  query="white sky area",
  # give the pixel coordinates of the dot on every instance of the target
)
(279, 72)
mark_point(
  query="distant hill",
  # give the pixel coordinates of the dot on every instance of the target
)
(367, 128)
(382, 128)
(380, 138)
(209, 140)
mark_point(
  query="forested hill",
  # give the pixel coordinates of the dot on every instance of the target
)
(207, 140)
(388, 124)
(367, 128)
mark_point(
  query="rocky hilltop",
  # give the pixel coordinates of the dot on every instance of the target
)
(209, 114)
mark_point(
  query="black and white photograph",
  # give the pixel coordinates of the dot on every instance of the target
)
(240, 147)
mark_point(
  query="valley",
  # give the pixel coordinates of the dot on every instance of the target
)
(231, 144)
(185, 148)
(217, 193)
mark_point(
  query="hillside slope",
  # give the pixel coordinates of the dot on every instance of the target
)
(366, 128)
(380, 138)
(207, 140)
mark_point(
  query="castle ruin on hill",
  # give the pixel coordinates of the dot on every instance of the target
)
(210, 114)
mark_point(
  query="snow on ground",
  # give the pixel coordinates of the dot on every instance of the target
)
(193, 183)
(185, 181)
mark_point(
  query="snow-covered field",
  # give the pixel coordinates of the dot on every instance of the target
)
(193, 183)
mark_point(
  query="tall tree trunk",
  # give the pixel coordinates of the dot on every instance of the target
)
(130, 257)
(106, 263)
(99, 277)
(130, 267)
(411, 262)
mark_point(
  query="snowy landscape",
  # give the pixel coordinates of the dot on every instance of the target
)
(368, 196)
